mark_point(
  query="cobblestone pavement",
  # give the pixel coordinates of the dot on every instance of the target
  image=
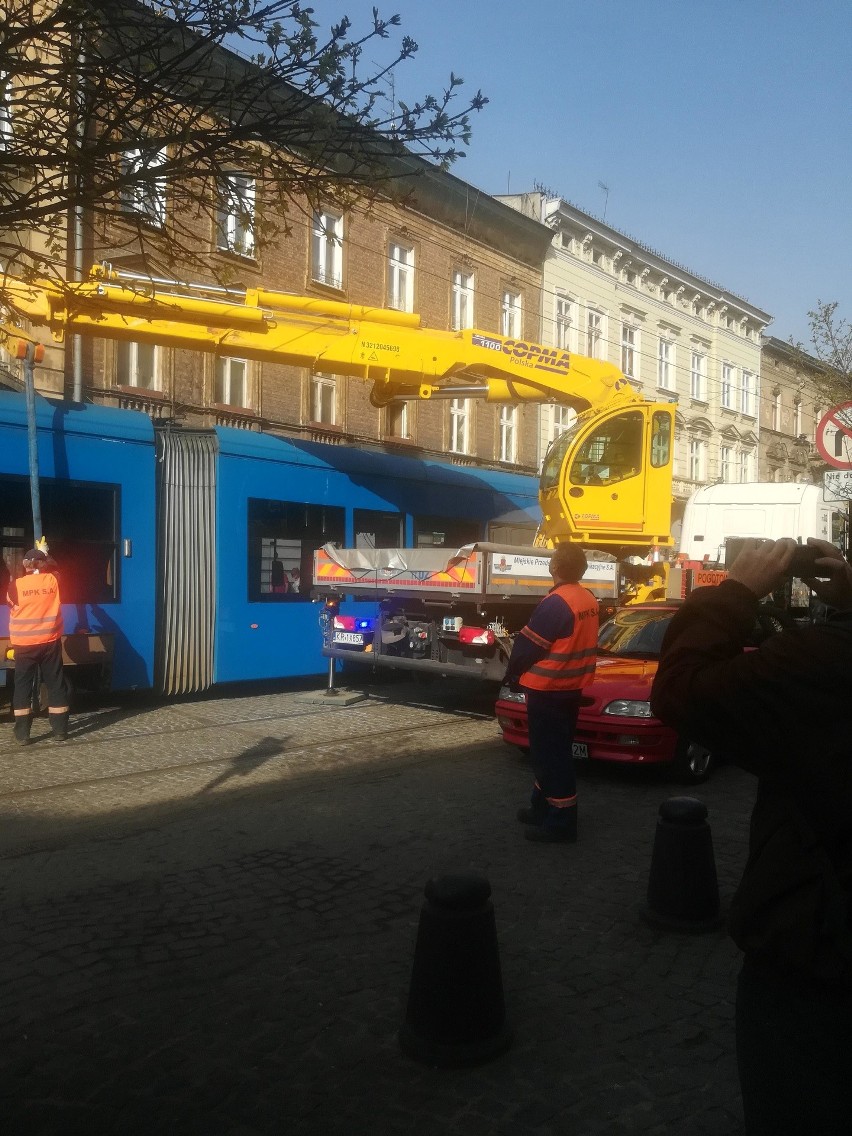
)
(210, 910)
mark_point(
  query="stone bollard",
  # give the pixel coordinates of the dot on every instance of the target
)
(683, 892)
(455, 1013)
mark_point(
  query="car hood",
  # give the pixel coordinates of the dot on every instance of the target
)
(621, 678)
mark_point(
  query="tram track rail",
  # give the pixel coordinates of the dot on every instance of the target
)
(302, 747)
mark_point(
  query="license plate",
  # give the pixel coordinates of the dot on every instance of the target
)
(352, 637)
(580, 750)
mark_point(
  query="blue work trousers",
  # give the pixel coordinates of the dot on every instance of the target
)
(552, 720)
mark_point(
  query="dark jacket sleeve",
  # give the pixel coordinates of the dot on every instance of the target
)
(525, 654)
(778, 709)
(552, 619)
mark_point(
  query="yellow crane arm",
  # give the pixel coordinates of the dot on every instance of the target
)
(390, 349)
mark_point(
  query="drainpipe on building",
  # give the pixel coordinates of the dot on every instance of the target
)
(32, 440)
(76, 257)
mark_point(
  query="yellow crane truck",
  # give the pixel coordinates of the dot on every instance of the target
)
(605, 482)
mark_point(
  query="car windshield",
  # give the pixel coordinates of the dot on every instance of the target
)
(635, 632)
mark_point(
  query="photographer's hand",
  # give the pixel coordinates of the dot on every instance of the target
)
(836, 591)
(762, 565)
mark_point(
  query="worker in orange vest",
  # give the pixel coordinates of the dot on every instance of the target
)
(35, 630)
(552, 659)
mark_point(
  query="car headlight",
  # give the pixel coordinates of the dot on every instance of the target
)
(508, 695)
(627, 708)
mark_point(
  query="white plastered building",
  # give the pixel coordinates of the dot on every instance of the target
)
(676, 335)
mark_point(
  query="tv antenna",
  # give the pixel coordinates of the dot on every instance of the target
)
(605, 188)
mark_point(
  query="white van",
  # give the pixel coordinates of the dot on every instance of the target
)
(718, 513)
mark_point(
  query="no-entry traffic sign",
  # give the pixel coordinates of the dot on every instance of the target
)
(834, 436)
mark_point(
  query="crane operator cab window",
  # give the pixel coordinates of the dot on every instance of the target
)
(613, 453)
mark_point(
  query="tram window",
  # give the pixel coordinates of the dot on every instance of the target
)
(612, 453)
(375, 529)
(282, 539)
(518, 535)
(80, 522)
(445, 532)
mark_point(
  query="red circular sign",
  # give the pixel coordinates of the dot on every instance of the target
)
(834, 436)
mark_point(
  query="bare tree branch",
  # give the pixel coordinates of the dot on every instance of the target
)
(85, 82)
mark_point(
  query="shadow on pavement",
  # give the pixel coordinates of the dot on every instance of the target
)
(242, 764)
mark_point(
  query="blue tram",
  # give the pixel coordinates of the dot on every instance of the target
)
(186, 554)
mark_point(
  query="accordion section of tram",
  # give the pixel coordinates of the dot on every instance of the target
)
(186, 555)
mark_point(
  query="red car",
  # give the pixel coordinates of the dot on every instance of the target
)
(616, 723)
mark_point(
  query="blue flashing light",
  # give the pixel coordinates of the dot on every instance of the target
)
(364, 624)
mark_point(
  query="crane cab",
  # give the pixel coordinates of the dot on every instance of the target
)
(607, 479)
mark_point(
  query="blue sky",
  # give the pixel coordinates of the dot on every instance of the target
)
(723, 130)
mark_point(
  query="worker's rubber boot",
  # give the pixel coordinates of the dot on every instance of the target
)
(536, 811)
(22, 729)
(559, 826)
(59, 725)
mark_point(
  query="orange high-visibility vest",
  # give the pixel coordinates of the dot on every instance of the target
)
(570, 662)
(37, 617)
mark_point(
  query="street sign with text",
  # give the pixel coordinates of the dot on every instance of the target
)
(837, 484)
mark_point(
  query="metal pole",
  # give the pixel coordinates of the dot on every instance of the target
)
(330, 689)
(32, 438)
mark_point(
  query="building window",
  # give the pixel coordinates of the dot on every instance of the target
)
(324, 399)
(459, 425)
(697, 459)
(776, 410)
(629, 351)
(725, 463)
(396, 420)
(565, 323)
(235, 216)
(327, 248)
(747, 404)
(462, 313)
(510, 315)
(143, 192)
(508, 433)
(666, 364)
(728, 464)
(555, 421)
(747, 465)
(728, 386)
(564, 418)
(231, 382)
(797, 418)
(137, 365)
(698, 376)
(401, 277)
(594, 335)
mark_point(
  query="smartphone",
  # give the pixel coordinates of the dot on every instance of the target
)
(804, 562)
